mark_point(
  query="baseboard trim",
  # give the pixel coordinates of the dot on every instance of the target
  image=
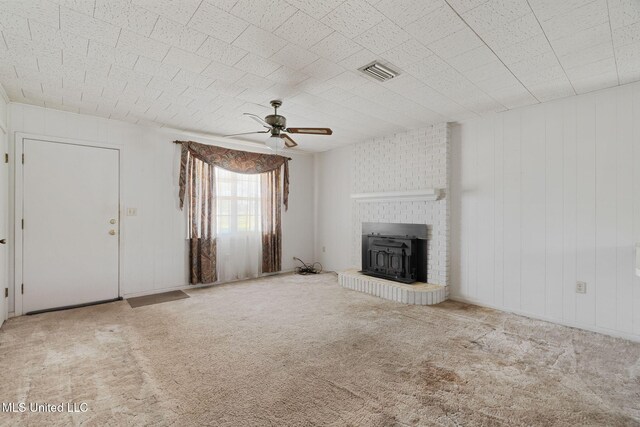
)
(71, 307)
(577, 325)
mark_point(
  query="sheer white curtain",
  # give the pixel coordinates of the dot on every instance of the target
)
(239, 238)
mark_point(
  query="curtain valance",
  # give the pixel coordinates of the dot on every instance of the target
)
(232, 160)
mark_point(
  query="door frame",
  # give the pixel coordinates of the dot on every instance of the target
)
(4, 148)
(18, 206)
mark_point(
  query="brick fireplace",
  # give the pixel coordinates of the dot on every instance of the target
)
(404, 170)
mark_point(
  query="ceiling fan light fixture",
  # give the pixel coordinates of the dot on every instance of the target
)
(275, 143)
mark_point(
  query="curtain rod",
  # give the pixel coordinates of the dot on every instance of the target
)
(180, 142)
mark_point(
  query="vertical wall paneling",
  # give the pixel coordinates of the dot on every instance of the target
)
(512, 208)
(34, 120)
(474, 244)
(625, 256)
(485, 211)
(606, 215)
(333, 178)
(533, 210)
(636, 202)
(554, 205)
(468, 187)
(56, 122)
(557, 188)
(498, 209)
(586, 207)
(570, 211)
(455, 209)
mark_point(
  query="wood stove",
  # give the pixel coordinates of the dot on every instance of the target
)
(395, 251)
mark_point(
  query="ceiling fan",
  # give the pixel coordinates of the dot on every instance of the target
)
(276, 125)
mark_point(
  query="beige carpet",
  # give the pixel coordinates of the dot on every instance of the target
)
(294, 350)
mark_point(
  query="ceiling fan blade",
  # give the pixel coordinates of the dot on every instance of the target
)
(311, 131)
(245, 133)
(290, 143)
(258, 119)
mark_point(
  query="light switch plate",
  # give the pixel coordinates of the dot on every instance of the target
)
(132, 211)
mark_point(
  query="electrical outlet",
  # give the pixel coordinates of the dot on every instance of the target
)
(581, 287)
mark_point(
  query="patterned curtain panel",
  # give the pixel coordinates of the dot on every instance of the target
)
(202, 220)
(271, 221)
(234, 161)
(197, 185)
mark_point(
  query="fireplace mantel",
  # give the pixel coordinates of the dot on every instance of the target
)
(428, 194)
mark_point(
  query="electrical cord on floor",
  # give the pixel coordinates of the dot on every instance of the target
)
(304, 269)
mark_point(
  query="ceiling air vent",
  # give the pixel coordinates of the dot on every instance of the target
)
(378, 71)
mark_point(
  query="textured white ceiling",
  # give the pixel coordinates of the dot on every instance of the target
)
(199, 64)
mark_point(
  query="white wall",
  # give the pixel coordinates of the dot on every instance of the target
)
(333, 208)
(154, 242)
(545, 196)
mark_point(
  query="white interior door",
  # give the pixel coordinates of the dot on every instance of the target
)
(71, 224)
(4, 213)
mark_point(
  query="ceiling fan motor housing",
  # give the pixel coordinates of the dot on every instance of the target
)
(277, 121)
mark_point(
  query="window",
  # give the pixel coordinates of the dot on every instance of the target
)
(238, 225)
(238, 202)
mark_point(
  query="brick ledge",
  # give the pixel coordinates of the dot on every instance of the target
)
(416, 294)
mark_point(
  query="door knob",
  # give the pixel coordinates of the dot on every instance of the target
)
(112, 232)
(3, 241)
(112, 221)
